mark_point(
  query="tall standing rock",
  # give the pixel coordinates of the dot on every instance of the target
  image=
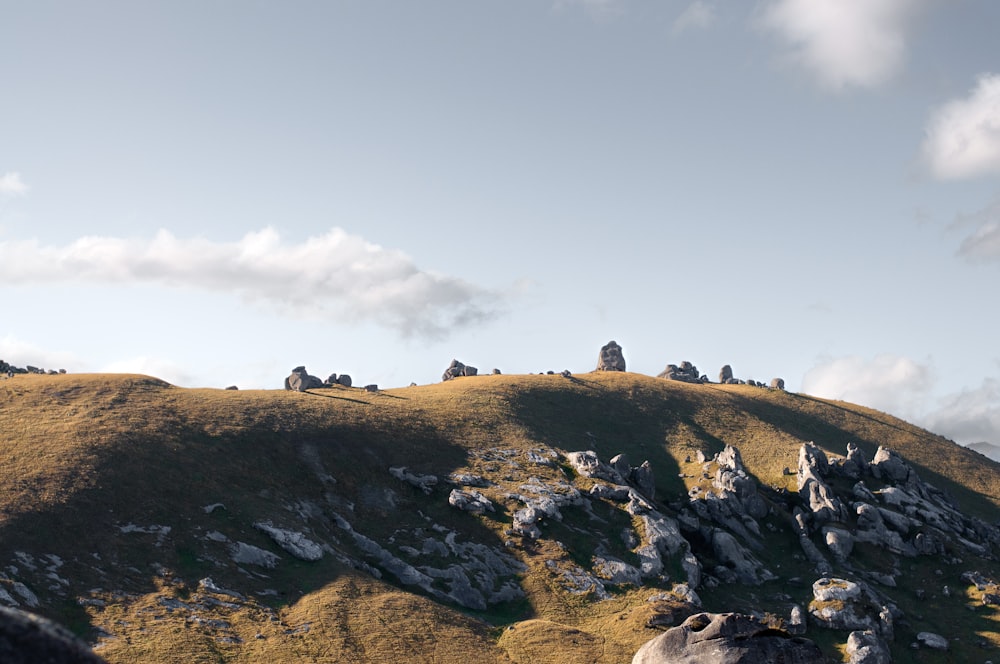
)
(611, 358)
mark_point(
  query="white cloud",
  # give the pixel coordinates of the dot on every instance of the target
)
(890, 383)
(971, 416)
(335, 276)
(903, 388)
(11, 184)
(844, 42)
(698, 15)
(21, 354)
(983, 244)
(963, 136)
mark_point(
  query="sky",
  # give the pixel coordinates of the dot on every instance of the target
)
(216, 192)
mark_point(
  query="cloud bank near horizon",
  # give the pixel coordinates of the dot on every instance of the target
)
(903, 388)
(11, 184)
(336, 276)
(846, 43)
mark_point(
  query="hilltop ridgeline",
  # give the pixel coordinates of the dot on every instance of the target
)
(585, 515)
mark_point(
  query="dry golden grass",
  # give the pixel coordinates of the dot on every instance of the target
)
(82, 455)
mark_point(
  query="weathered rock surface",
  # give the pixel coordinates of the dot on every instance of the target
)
(300, 380)
(611, 358)
(685, 372)
(867, 648)
(457, 369)
(727, 638)
(26, 638)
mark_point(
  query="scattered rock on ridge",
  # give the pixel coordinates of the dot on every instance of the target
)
(456, 369)
(686, 372)
(300, 380)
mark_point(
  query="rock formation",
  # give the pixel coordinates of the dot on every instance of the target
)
(300, 380)
(685, 372)
(727, 638)
(611, 358)
(456, 369)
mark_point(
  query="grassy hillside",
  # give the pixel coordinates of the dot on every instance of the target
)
(120, 493)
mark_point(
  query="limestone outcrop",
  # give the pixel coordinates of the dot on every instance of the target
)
(684, 372)
(457, 369)
(300, 380)
(727, 638)
(611, 358)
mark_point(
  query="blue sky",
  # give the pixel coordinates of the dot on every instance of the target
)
(214, 193)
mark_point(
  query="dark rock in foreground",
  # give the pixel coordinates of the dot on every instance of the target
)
(29, 639)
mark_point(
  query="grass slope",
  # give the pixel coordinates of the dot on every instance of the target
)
(93, 464)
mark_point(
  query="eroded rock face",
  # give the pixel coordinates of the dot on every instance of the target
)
(29, 639)
(300, 380)
(685, 372)
(611, 358)
(456, 369)
(727, 638)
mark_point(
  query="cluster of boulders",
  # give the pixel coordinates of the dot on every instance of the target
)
(9, 370)
(300, 380)
(456, 369)
(685, 372)
(726, 378)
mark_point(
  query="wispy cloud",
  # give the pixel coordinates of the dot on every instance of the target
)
(963, 135)
(21, 354)
(983, 244)
(890, 383)
(698, 15)
(970, 416)
(11, 184)
(845, 43)
(903, 387)
(337, 276)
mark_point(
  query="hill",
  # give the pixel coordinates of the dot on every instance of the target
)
(484, 516)
(986, 449)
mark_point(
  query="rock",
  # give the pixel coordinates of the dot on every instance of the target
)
(889, 465)
(26, 638)
(686, 372)
(866, 647)
(232, 387)
(797, 620)
(843, 604)
(777, 383)
(726, 374)
(611, 358)
(616, 572)
(423, 482)
(621, 465)
(248, 554)
(344, 380)
(642, 477)
(472, 502)
(300, 380)
(855, 465)
(727, 638)
(932, 641)
(457, 369)
(293, 542)
(371, 388)
(839, 541)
